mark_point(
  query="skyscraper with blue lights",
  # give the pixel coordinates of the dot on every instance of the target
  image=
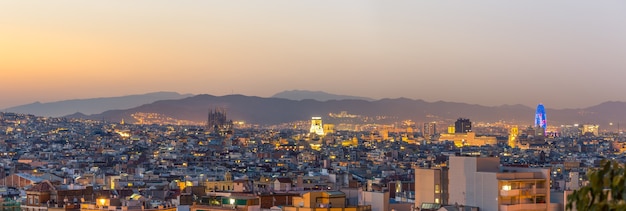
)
(540, 118)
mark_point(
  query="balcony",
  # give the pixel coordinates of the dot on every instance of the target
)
(514, 192)
(525, 207)
(540, 191)
(523, 192)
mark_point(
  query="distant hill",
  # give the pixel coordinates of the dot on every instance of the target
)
(93, 105)
(267, 111)
(315, 95)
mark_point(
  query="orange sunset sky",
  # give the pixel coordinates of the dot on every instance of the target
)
(566, 54)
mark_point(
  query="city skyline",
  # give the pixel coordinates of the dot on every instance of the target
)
(562, 54)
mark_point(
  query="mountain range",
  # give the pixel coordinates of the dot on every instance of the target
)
(93, 105)
(269, 111)
(296, 105)
(315, 95)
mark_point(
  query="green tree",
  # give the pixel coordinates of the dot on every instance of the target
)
(606, 189)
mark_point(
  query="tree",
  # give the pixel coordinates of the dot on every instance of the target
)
(606, 189)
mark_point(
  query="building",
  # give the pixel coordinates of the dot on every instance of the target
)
(218, 123)
(316, 126)
(282, 184)
(329, 128)
(462, 125)
(451, 129)
(220, 185)
(513, 134)
(233, 202)
(468, 139)
(590, 130)
(570, 131)
(430, 129)
(477, 181)
(431, 186)
(377, 200)
(21, 180)
(47, 196)
(328, 200)
(269, 200)
(541, 120)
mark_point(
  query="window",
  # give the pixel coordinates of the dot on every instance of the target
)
(436, 200)
(437, 188)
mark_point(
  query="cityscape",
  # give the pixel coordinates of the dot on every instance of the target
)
(60, 163)
(312, 105)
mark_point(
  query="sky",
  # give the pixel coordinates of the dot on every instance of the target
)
(564, 54)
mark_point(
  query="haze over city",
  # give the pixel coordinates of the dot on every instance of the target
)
(565, 54)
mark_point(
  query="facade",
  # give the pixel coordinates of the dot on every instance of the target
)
(21, 180)
(477, 181)
(570, 131)
(513, 134)
(468, 139)
(329, 128)
(323, 200)
(282, 184)
(316, 126)
(451, 129)
(431, 186)
(462, 125)
(218, 123)
(430, 129)
(379, 201)
(47, 196)
(95, 207)
(540, 119)
(590, 130)
(220, 186)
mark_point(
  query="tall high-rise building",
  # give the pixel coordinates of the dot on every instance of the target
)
(430, 129)
(513, 133)
(540, 118)
(462, 125)
(316, 126)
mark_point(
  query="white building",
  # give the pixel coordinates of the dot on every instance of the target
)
(316, 126)
(483, 183)
(431, 186)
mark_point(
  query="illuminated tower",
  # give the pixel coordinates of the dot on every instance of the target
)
(316, 126)
(540, 118)
(513, 136)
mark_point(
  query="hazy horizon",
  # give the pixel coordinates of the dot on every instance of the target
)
(564, 54)
(194, 94)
